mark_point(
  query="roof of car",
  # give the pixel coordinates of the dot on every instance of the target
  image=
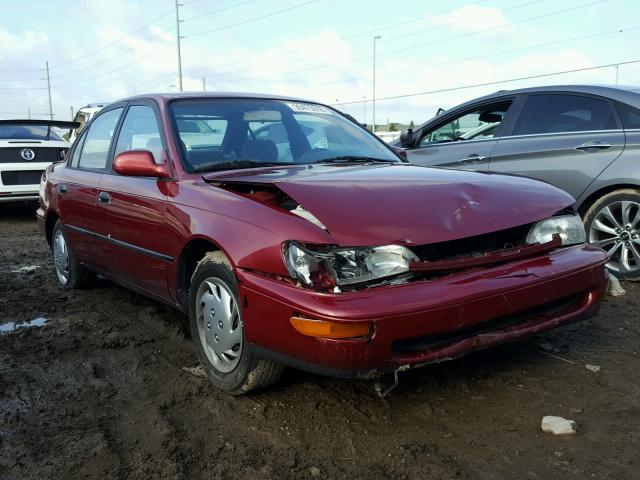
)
(623, 93)
(166, 96)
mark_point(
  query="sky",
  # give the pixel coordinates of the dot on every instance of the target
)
(430, 54)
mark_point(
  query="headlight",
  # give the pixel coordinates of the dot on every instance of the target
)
(330, 267)
(569, 227)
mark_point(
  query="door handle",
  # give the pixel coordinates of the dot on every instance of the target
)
(104, 198)
(62, 188)
(472, 158)
(593, 146)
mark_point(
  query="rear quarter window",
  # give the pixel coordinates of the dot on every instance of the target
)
(629, 115)
(557, 113)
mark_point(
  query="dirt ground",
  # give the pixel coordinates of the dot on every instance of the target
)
(100, 392)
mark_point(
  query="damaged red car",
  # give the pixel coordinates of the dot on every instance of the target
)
(292, 236)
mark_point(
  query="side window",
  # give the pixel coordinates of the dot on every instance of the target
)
(629, 115)
(95, 150)
(140, 131)
(564, 113)
(77, 148)
(477, 124)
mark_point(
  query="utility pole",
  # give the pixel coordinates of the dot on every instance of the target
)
(373, 122)
(204, 84)
(71, 110)
(178, 44)
(49, 89)
(364, 120)
(29, 112)
(617, 67)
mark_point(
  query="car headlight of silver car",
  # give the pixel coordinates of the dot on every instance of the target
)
(568, 227)
(328, 267)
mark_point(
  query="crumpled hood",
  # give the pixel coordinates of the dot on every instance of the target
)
(384, 204)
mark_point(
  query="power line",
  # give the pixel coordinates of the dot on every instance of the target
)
(213, 12)
(244, 22)
(122, 67)
(84, 55)
(502, 52)
(384, 27)
(389, 52)
(496, 82)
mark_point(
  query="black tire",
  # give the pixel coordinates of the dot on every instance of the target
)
(249, 373)
(614, 200)
(77, 276)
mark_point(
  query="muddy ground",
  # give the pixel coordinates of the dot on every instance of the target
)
(100, 392)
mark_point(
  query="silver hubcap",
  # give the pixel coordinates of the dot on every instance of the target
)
(61, 258)
(616, 228)
(219, 324)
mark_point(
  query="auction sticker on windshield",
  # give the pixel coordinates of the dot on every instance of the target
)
(308, 108)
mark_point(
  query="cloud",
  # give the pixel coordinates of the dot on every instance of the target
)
(471, 18)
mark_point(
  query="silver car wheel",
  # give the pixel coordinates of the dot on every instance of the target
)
(219, 324)
(61, 257)
(616, 229)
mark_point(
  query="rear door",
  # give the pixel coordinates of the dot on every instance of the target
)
(464, 139)
(136, 207)
(566, 139)
(85, 222)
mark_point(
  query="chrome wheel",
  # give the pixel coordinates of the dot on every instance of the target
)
(616, 229)
(219, 324)
(61, 257)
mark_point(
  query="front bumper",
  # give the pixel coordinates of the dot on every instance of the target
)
(425, 321)
(18, 197)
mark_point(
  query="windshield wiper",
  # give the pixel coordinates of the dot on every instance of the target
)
(353, 159)
(236, 164)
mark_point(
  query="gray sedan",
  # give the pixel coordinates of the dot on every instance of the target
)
(583, 139)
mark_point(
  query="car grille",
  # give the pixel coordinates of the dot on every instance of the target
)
(473, 246)
(26, 177)
(12, 154)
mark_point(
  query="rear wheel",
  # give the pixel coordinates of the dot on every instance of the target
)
(217, 330)
(69, 271)
(613, 223)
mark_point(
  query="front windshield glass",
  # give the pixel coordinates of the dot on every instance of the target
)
(243, 133)
(27, 132)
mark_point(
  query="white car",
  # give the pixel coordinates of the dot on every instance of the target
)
(82, 117)
(27, 147)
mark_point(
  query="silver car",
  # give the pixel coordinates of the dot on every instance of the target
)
(583, 139)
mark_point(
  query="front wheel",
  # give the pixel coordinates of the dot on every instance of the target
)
(613, 223)
(217, 330)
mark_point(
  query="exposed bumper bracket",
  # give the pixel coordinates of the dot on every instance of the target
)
(385, 384)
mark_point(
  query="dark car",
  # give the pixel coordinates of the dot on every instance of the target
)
(327, 254)
(582, 139)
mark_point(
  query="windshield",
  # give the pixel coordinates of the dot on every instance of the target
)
(27, 132)
(247, 132)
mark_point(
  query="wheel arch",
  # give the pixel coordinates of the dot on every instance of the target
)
(585, 203)
(50, 222)
(193, 251)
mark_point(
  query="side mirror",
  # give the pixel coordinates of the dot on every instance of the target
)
(139, 163)
(406, 138)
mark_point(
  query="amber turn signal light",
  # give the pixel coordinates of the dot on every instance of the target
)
(324, 329)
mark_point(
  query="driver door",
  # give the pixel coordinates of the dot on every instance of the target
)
(461, 140)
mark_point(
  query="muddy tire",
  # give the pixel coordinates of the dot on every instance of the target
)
(613, 223)
(215, 320)
(69, 271)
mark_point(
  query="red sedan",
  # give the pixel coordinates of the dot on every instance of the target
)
(292, 236)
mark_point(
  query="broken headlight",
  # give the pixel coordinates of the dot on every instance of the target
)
(568, 227)
(328, 267)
